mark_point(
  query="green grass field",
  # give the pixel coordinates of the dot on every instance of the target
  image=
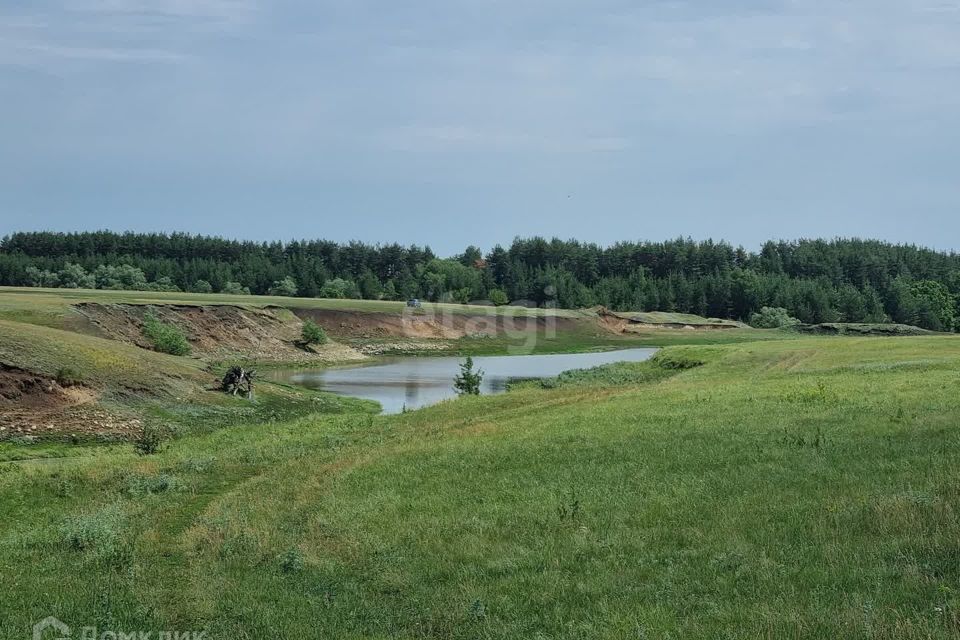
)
(803, 488)
(52, 300)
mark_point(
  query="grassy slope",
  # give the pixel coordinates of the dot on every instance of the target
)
(103, 363)
(173, 391)
(804, 488)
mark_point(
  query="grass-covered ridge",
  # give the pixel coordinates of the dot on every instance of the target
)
(115, 389)
(802, 488)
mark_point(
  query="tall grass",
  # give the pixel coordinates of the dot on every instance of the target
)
(806, 488)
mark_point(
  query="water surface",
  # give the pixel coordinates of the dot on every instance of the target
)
(414, 382)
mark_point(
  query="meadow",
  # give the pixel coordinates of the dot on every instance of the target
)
(804, 487)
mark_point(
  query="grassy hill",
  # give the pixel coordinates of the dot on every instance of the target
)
(66, 386)
(794, 488)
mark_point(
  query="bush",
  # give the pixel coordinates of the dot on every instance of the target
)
(235, 288)
(68, 377)
(772, 318)
(499, 297)
(201, 286)
(150, 440)
(163, 284)
(339, 288)
(286, 287)
(312, 333)
(74, 276)
(166, 338)
(120, 277)
(936, 305)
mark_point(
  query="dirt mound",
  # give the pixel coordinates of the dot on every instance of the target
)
(220, 331)
(29, 390)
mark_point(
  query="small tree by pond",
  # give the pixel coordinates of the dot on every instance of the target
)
(469, 379)
(312, 333)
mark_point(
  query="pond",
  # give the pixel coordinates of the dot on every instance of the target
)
(414, 382)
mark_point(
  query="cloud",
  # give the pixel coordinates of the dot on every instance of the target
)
(28, 52)
(535, 76)
(114, 31)
(222, 10)
(452, 138)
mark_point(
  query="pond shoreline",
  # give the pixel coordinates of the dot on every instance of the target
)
(400, 383)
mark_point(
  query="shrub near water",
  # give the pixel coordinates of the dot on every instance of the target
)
(166, 338)
(312, 333)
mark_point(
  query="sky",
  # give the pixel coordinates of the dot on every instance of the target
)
(456, 122)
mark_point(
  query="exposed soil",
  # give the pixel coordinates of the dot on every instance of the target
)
(34, 405)
(612, 323)
(29, 390)
(219, 331)
(424, 324)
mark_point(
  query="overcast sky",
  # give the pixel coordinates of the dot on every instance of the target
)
(456, 121)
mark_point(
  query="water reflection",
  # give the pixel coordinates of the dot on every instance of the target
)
(414, 382)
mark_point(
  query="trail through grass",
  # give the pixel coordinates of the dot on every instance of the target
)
(803, 488)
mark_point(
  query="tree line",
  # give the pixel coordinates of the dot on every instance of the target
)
(842, 280)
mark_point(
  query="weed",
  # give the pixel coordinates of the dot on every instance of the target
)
(569, 508)
(478, 610)
(196, 465)
(145, 485)
(801, 440)
(238, 544)
(818, 394)
(99, 533)
(291, 561)
(64, 488)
